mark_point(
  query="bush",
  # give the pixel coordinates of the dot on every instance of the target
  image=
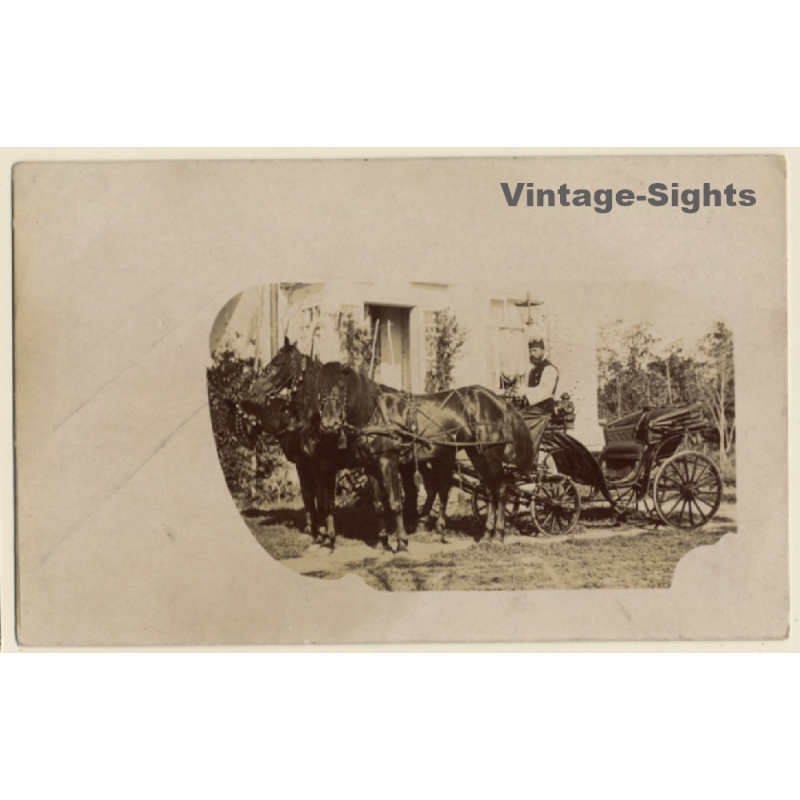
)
(254, 470)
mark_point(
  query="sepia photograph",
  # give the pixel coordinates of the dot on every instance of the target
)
(433, 436)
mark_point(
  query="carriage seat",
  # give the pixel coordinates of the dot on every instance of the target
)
(623, 451)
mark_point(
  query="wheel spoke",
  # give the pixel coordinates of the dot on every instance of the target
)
(704, 515)
(674, 506)
(713, 493)
(698, 500)
(687, 490)
(706, 471)
(665, 497)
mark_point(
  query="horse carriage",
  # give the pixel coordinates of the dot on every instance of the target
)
(645, 463)
(331, 417)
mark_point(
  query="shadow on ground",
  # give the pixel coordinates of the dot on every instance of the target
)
(601, 552)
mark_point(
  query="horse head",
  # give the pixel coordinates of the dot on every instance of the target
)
(283, 372)
(332, 400)
(332, 408)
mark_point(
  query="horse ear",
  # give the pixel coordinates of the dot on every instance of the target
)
(317, 359)
(286, 341)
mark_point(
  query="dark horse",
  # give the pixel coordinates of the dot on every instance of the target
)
(399, 431)
(283, 403)
(281, 420)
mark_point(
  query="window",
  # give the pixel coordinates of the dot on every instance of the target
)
(507, 340)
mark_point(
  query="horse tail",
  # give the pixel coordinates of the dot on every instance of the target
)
(519, 451)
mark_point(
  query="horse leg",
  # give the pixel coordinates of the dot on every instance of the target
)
(380, 504)
(410, 496)
(489, 481)
(500, 519)
(305, 473)
(326, 495)
(391, 480)
(443, 473)
(494, 460)
(431, 490)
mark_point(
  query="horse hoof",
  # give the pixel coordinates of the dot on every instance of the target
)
(402, 547)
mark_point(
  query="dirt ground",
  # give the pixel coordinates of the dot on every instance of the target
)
(599, 553)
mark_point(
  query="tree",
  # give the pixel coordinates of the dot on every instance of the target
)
(443, 342)
(629, 371)
(677, 374)
(357, 343)
(609, 370)
(714, 378)
(633, 373)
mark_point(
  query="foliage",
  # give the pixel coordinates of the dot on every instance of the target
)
(715, 380)
(634, 372)
(443, 342)
(256, 470)
(356, 341)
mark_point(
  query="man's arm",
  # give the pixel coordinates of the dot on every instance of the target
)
(546, 387)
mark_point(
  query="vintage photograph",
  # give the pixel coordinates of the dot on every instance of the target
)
(400, 400)
(433, 436)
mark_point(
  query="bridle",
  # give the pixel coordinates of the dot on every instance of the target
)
(285, 390)
(337, 398)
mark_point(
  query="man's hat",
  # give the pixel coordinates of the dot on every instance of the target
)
(536, 343)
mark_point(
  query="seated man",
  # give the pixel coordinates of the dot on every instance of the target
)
(539, 393)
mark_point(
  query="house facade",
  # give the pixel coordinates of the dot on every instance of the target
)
(400, 319)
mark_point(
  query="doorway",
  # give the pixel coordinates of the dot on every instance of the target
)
(392, 345)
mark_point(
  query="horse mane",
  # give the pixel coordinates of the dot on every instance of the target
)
(362, 393)
(292, 362)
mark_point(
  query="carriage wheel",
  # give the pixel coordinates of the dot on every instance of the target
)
(480, 504)
(687, 490)
(556, 505)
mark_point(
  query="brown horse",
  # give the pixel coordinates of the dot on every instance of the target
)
(392, 430)
(284, 403)
(277, 417)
